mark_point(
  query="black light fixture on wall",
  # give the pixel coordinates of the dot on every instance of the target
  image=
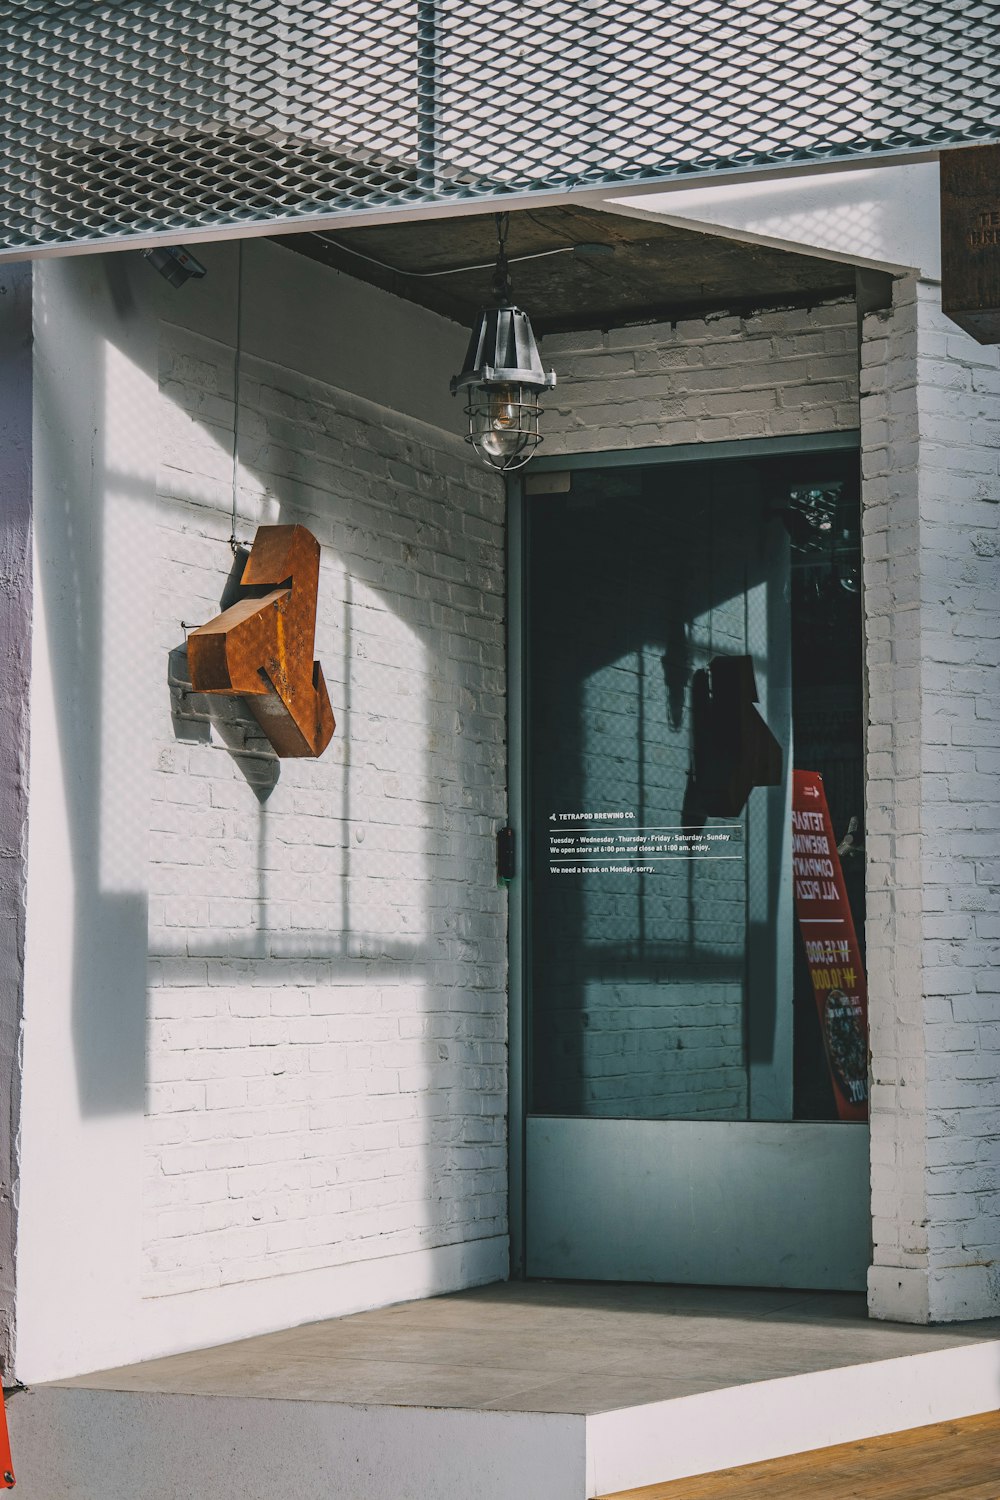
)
(175, 263)
(503, 375)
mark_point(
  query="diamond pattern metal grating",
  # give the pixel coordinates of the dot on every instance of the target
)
(137, 119)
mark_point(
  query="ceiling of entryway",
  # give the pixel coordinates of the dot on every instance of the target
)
(622, 270)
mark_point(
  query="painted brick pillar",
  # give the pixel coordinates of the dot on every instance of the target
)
(930, 409)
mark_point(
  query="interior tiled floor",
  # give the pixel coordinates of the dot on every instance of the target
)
(546, 1347)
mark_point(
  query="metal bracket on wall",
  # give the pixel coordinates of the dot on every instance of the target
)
(506, 856)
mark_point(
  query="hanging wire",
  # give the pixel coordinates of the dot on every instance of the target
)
(486, 265)
(501, 272)
(234, 544)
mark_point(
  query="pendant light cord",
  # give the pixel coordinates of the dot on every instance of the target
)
(501, 272)
(234, 544)
(483, 265)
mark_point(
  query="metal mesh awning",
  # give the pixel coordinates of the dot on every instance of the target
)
(129, 120)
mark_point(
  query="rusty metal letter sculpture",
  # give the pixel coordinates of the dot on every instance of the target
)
(261, 648)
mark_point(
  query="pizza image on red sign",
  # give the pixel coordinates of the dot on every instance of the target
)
(831, 944)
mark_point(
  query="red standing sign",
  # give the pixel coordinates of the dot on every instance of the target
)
(831, 943)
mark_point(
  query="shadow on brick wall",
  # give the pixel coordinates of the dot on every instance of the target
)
(204, 718)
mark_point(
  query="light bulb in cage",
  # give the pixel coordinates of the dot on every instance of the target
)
(503, 377)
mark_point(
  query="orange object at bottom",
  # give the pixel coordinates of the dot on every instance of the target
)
(6, 1466)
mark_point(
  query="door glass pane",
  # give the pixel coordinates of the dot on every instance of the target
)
(824, 518)
(661, 610)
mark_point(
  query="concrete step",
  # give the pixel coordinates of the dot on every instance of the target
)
(530, 1391)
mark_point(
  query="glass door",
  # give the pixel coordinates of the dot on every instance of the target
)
(693, 640)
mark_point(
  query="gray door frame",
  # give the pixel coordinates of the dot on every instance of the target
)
(518, 493)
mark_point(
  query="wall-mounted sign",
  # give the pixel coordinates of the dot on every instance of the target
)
(610, 843)
(970, 240)
(261, 648)
(832, 951)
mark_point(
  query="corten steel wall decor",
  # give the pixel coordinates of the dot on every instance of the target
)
(970, 240)
(261, 648)
(185, 117)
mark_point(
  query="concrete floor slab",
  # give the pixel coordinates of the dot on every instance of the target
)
(628, 1385)
(603, 1346)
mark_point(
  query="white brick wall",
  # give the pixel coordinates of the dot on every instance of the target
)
(269, 997)
(326, 1045)
(931, 435)
(709, 380)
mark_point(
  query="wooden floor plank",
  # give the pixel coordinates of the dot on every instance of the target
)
(949, 1461)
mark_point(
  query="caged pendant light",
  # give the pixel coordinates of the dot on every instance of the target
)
(502, 375)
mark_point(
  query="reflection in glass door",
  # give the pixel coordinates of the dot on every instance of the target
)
(693, 635)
